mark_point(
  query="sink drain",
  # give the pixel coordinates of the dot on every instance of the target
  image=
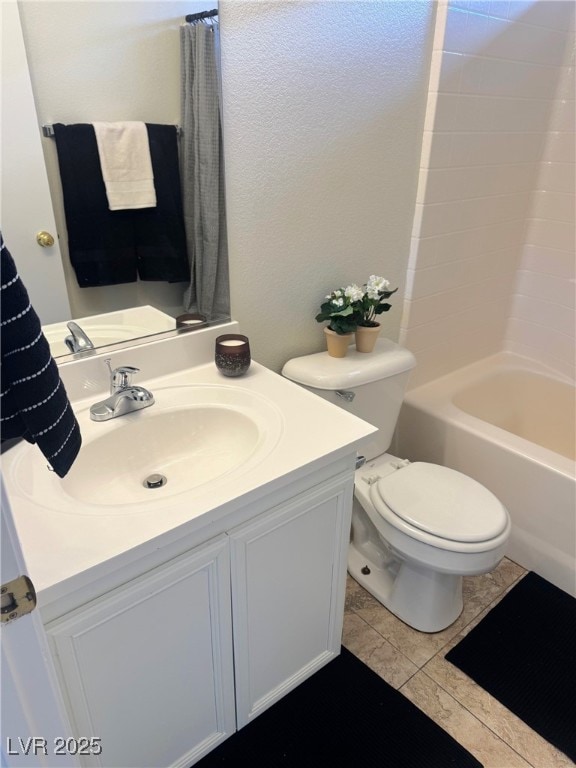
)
(155, 481)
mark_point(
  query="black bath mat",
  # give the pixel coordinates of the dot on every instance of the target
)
(343, 716)
(524, 654)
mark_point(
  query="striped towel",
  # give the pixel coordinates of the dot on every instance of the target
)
(33, 401)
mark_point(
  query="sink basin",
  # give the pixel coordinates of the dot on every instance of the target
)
(192, 435)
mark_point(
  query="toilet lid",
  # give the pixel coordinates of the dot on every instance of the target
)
(441, 502)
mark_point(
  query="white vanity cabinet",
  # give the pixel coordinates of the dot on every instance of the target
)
(147, 669)
(164, 667)
(288, 589)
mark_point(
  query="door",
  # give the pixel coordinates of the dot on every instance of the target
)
(33, 724)
(26, 204)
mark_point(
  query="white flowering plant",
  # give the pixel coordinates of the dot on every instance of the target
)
(353, 306)
(370, 300)
(339, 311)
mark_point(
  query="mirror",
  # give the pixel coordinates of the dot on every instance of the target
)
(93, 60)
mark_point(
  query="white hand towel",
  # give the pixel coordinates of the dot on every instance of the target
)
(126, 165)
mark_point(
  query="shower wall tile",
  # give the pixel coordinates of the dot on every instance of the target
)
(450, 67)
(563, 117)
(457, 149)
(456, 32)
(459, 245)
(557, 176)
(440, 218)
(548, 261)
(547, 286)
(460, 273)
(448, 184)
(554, 206)
(556, 317)
(438, 149)
(496, 186)
(472, 33)
(472, 296)
(548, 346)
(517, 79)
(560, 147)
(454, 352)
(477, 112)
(563, 366)
(500, 8)
(553, 14)
(471, 149)
(554, 234)
(508, 234)
(491, 317)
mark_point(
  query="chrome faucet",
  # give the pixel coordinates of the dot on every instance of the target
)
(78, 341)
(124, 398)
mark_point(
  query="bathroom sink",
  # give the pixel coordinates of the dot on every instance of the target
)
(192, 435)
(230, 449)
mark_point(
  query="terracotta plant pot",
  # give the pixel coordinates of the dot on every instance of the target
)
(366, 337)
(337, 343)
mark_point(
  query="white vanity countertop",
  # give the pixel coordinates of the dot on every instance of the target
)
(77, 541)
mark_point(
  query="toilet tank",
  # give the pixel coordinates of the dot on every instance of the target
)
(369, 385)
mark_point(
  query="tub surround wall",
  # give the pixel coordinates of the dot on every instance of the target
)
(542, 322)
(494, 78)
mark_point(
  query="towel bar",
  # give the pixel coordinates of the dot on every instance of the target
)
(48, 130)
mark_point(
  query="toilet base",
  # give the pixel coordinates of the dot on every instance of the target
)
(424, 599)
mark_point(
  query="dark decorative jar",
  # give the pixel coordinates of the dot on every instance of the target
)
(190, 322)
(232, 354)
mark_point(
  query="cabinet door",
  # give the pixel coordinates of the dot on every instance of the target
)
(288, 585)
(147, 669)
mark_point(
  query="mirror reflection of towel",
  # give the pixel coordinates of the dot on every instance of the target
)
(111, 247)
(124, 155)
(35, 405)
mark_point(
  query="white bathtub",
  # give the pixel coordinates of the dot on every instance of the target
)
(509, 423)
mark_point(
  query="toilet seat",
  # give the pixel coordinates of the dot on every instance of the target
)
(427, 500)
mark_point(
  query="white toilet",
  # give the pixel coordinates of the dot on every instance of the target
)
(417, 528)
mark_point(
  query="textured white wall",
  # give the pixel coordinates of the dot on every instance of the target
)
(495, 70)
(100, 60)
(323, 113)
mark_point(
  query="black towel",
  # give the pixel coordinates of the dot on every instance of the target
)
(110, 247)
(34, 403)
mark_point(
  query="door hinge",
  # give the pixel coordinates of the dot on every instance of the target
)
(17, 598)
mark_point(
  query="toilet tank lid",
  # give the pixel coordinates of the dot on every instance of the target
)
(321, 371)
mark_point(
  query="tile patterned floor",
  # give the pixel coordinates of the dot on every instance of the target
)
(413, 662)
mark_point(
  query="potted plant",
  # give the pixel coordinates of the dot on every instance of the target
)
(338, 310)
(370, 301)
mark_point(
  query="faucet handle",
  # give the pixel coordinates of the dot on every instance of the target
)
(120, 377)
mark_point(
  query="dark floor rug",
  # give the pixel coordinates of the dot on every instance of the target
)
(524, 654)
(344, 716)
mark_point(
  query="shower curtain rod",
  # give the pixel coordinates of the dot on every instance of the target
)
(201, 15)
